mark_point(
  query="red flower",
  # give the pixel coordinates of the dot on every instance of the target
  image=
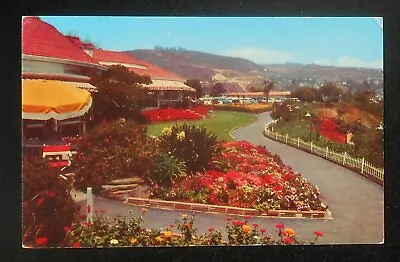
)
(318, 233)
(88, 208)
(247, 217)
(171, 226)
(262, 230)
(187, 225)
(41, 241)
(280, 225)
(255, 225)
(76, 244)
(211, 229)
(40, 201)
(67, 229)
(51, 194)
(88, 224)
(228, 219)
(287, 240)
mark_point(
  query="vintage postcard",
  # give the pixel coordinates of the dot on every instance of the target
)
(202, 131)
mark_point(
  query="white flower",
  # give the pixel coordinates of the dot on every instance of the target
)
(113, 242)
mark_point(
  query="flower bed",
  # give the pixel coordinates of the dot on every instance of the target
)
(172, 114)
(122, 233)
(252, 108)
(329, 130)
(247, 176)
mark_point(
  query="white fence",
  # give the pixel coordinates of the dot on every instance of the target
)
(357, 164)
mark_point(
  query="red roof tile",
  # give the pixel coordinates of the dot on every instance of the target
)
(120, 57)
(42, 39)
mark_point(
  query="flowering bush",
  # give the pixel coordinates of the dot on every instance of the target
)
(194, 145)
(172, 114)
(47, 204)
(251, 177)
(113, 150)
(122, 233)
(329, 130)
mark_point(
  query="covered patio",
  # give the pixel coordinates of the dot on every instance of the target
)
(53, 113)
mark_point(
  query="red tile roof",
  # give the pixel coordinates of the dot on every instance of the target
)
(120, 57)
(42, 39)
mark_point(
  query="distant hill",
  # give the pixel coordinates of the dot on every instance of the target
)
(240, 74)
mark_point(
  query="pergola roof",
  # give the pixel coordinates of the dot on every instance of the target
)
(169, 85)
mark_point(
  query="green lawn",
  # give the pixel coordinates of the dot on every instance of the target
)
(221, 122)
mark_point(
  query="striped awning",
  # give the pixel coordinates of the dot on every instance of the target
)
(84, 86)
(169, 85)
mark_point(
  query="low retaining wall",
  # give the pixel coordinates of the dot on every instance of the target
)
(172, 205)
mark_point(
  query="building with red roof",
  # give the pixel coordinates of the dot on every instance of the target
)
(167, 86)
(48, 54)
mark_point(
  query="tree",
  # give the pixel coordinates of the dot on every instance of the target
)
(268, 86)
(217, 89)
(194, 83)
(306, 94)
(330, 92)
(119, 94)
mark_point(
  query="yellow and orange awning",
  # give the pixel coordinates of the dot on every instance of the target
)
(46, 99)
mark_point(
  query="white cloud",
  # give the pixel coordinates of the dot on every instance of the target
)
(261, 55)
(323, 62)
(346, 61)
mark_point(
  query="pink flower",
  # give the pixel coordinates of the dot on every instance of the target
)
(318, 233)
(211, 229)
(255, 225)
(280, 225)
(262, 230)
(287, 240)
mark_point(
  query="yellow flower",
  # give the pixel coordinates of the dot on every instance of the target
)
(167, 131)
(113, 242)
(184, 216)
(167, 235)
(246, 228)
(133, 241)
(290, 232)
(159, 239)
(181, 135)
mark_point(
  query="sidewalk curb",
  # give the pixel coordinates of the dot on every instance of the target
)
(172, 205)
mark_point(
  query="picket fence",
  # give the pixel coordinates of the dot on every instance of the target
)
(357, 164)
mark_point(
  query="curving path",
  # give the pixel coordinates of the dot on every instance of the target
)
(356, 203)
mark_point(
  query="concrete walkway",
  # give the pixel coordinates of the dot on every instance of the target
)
(356, 203)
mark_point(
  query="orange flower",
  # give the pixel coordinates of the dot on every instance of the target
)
(167, 235)
(246, 228)
(187, 225)
(290, 232)
(133, 241)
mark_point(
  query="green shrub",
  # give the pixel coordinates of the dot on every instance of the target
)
(119, 149)
(47, 204)
(167, 168)
(194, 145)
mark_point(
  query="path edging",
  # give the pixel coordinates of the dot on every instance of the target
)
(372, 178)
(173, 205)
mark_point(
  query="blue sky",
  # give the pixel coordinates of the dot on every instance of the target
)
(353, 42)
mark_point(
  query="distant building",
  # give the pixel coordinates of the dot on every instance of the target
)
(259, 94)
(167, 87)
